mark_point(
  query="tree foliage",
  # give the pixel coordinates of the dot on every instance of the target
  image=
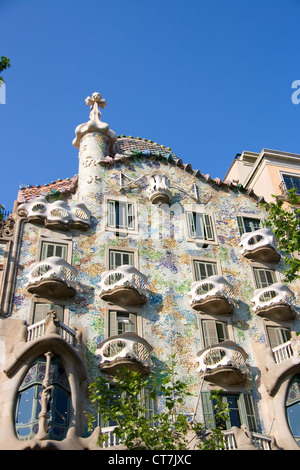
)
(124, 404)
(284, 222)
(4, 64)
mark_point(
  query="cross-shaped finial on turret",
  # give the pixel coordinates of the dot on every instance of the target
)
(95, 101)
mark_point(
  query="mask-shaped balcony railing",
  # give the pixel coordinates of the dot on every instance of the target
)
(275, 302)
(126, 349)
(212, 295)
(52, 276)
(223, 363)
(57, 215)
(158, 189)
(260, 245)
(125, 285)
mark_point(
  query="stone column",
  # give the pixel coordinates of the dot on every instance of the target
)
(95, 141)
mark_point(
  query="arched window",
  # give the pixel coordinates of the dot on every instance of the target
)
(44, 387)
(293, 408)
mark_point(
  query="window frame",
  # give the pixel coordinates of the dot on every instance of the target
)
(256, 267)
(134, 311)
(206, 215)
(121, 249)
(241, 224)
(289, 175)
(217, 322)
(107, 214)
(49, 237)
(205, 261)
(60, 303)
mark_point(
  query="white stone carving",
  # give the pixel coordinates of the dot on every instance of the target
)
(58, 213)
(223, 355)
(52, 269)
(214, 288)
(262, 239)
(127, 346)
(275, 294)
(125, 283)
(158, 188)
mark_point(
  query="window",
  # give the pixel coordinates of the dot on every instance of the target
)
(54, 249)
(278, 335)
(241, 411)
(292, 407)
(29, 396)
(292, 181)
(204, 269)
(264, 277)
(199, 226)
(40, 311)
(121, 215)
(248, 224)
(214, 332)
(121, 322)
(118, 258)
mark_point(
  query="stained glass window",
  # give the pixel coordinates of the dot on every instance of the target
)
(28, 401)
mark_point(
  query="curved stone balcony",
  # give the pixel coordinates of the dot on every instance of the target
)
(125, 285)
(212, 295)
(57, 215)
(223, 363)
(158, 189)
(52, 277)
(275, 302)
(260, 245)
(127, 349)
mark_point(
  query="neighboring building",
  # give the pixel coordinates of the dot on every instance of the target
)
(138, 257)
(267, 173)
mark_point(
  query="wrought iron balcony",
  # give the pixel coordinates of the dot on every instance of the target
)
(260, 245)
(125, 285)
(57, 215)
(158, 189)
(212, 295)
(275, 302)
(126, 349)
(52, 277)
(223, 364)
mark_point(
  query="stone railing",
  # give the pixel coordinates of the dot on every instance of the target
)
(123, 349)
(49, 271)
(124, 284)
(58, 214)
(36, 330)
(276, 298)
(214, 294)
(283, 352)
(260, 244)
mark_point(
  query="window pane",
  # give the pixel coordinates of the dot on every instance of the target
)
(292, 182)
(60, 412)
(251, 224)
(204, 269)
(24, 413)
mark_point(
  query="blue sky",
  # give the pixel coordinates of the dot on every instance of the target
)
(207, 78)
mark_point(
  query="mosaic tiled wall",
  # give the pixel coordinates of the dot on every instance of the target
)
(170, 324)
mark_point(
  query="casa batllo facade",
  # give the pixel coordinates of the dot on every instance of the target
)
(138, 257)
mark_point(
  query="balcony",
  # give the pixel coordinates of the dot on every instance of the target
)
(278, 362)
(212, 295)
(124, 285)
(52, 277)
(126, 349)
(223, 364)
(51, 325)
(274, 302)
(260, 246)
(57, 215)
(158, 189)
